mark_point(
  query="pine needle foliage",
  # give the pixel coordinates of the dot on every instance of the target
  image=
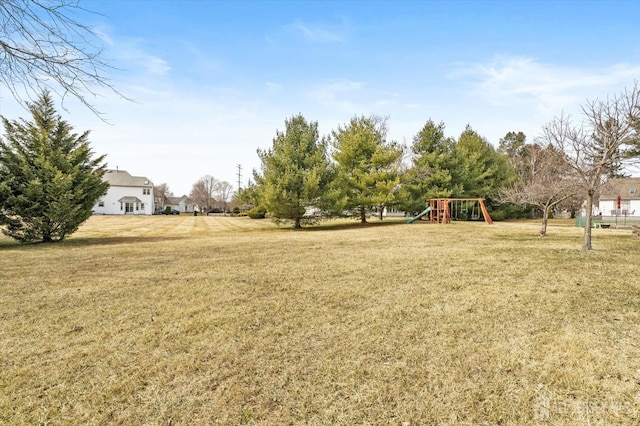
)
(295, 172)
(367, 166)
(49, 177)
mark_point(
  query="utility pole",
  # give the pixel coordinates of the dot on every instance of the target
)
(239, 176)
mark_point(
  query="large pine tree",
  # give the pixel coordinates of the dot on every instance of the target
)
(49, 178)
(477, 170)
(367, 165)
(429, 176)
(295, 171)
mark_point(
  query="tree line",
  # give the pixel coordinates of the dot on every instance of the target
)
(50, 179)
(357, 171)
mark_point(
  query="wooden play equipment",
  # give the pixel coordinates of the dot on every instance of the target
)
(440, 209)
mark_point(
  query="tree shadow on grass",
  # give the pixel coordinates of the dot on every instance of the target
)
(8, 244)
(351, 225)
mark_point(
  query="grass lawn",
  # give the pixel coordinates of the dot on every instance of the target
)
(203, 320)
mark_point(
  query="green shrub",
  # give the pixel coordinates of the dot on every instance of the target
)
(257, 213)
(498, 215)
(508, 211)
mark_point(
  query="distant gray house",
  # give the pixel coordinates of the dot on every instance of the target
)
(131, 195)
(182, 204)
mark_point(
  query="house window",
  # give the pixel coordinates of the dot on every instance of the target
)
(632, 191)
(142, 206)
(146, 191)
(100, 203)
(136, 206)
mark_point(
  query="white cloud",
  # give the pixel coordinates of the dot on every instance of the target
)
(102, 32)
(318, 33)
(155, 65)
(340, 95)
(548, 88)
(202, 61)
(132, 53)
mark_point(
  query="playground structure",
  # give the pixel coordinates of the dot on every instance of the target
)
(443, 210)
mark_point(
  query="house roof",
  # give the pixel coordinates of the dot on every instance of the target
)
(123, 178)
(176, 200)
(627, 188)
(129, 200)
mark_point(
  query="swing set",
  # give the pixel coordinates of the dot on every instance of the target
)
(443, 210)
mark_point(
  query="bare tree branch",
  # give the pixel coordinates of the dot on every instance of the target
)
(203, 193)
(223, 194)
(161, 194)
(544, 180)
(44, 47)
(600, 146)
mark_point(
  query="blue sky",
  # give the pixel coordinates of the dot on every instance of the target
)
(214, 80)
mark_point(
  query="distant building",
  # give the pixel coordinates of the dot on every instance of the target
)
(628, 191)
(182, 204)
(131, 195)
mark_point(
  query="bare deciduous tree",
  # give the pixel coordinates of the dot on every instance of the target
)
(223, 194)
(598, 147)
(573, 204)
(161, 194)
(203, 193)
(44, 46)
(544, 180)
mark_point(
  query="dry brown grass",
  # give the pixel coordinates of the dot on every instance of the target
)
(203, 320)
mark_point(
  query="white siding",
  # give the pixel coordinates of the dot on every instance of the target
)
(608, 207)
(185, 206)
(112, 205)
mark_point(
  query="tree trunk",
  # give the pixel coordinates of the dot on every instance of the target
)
(545, 220)
(381, 212)
(297, 224)
(588, 218)
(363, 215)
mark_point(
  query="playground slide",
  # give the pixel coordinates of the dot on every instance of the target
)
(425, 211)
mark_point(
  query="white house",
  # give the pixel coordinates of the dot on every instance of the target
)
(182, 204)
(627, 190)
(126, 195)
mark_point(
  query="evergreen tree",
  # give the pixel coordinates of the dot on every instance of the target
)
(295, 171)
(478, 170)
(367, 166)
(49, 180)
(429, 175)
(512, 144)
